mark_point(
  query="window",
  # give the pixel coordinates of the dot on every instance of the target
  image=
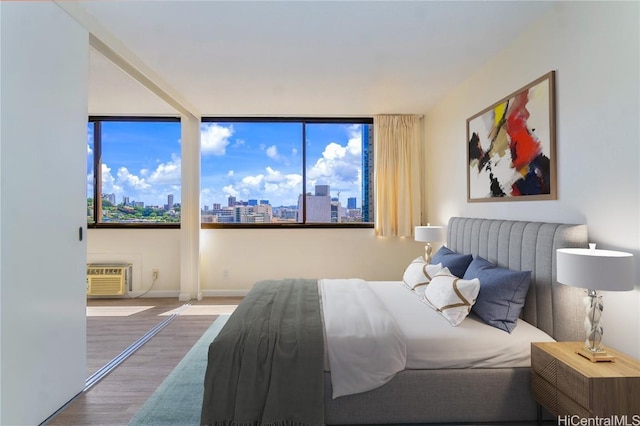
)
(255, 172)
(133, 171)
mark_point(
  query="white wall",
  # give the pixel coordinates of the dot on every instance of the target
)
(146, 250)
(43, 149)
(232, 260)
(594, 48)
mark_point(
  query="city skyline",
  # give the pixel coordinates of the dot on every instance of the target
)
(127, 201)
(320, 207)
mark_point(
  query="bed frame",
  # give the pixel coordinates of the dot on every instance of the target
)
(481, 395)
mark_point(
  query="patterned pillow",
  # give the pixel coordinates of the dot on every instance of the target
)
(419, 273)
(451, 296)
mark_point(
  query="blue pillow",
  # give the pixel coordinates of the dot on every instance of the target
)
(457, 263)
(502, 293)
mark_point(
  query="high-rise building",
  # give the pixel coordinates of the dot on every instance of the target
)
(252, 202)
(170, 202)
(232, 201)
(367, 166)
(351, 203)
(125, 200)
(318, 207)
(322, 190)
(110, 198)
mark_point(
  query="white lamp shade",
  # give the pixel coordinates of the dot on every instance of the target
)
(428, 233)
(596, 269)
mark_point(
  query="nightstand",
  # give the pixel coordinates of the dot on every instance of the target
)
(566, 383)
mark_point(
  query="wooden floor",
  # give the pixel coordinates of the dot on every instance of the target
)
(115, 399)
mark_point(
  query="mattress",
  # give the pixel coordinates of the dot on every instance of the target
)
(433, 343)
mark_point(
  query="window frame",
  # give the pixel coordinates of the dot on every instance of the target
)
(303, 121)
(97, 173)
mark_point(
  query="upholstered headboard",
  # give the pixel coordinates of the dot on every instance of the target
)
(529, 246)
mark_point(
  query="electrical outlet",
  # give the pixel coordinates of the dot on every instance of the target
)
(154, 274)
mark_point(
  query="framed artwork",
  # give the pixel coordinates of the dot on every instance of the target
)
(511, 152)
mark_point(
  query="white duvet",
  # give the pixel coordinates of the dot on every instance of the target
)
(365, 346)
(375, 329)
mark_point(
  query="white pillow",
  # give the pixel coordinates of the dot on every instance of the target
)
(451, 296)
(419, 273)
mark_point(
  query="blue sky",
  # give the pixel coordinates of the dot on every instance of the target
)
(141, 160)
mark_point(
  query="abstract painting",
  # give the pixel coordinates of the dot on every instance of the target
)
(511, 146)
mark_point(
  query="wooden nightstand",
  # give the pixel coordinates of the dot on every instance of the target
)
(566, 383)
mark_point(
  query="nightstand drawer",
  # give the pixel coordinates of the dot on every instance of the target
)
(561, 376)
(556, 402)
(573, 384)
(567, 406)
(544, 392)
(544, 364)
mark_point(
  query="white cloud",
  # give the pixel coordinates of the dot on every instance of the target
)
(333, 151)
(132, 181)
(340, 166)
(254, 181)
(354, 146)
(167, 173)
(272, 152)
(273, 185)
(215, 138)
(230, 191)
(109, 185)
(273, 175)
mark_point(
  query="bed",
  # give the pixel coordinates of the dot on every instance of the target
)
(452, 391)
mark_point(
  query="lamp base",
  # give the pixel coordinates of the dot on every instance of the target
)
(427, 253)
(601, 356)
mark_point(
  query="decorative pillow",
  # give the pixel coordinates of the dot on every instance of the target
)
(502, 293)
(419, 273)
(457, 263)
(451, 296)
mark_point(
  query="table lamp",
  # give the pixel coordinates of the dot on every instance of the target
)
(428, 234)
(595, 270)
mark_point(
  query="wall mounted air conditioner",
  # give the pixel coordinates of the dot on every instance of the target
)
(108, 279)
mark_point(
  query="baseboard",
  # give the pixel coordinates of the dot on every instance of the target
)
(176, 293)
(224, 293)
(153, 293)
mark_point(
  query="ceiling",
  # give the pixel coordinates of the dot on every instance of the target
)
(298, 58)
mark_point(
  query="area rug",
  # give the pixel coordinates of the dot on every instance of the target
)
(178, 400)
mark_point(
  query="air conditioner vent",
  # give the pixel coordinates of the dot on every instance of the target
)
(108, 279)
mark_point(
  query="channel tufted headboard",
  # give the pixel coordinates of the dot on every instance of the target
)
(529, 246)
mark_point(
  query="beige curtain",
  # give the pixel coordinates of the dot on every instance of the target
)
(397, 175)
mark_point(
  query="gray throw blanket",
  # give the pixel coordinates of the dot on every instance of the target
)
(266, 364)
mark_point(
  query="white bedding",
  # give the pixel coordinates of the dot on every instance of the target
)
(396, 318)
(365, 346)
(433, 343)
